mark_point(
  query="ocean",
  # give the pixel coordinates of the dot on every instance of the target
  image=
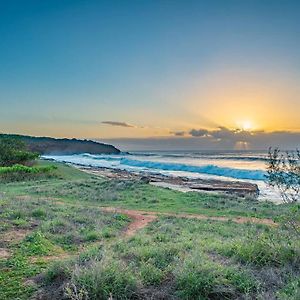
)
(249, 166)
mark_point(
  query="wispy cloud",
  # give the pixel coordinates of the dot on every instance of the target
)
(116, 123)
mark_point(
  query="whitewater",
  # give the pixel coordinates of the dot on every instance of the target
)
(230, 166)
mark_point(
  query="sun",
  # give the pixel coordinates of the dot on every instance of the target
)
(245, 125)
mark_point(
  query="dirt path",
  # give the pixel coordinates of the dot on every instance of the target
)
(142, 218)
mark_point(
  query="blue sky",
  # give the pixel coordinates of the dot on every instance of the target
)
(148, 68)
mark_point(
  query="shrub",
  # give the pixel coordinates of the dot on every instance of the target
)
(284, 173)
(13, 151)
(20, 172)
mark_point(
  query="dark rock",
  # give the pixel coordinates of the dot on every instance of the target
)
(145, 179)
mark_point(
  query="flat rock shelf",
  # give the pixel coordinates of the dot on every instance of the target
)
(238, 188)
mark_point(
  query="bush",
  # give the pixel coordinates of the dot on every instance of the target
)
(13, 151)
(284, 173)
(20, 172)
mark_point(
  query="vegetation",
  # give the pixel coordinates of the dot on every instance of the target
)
(16, 162)
(13, 151)
(48, 145)
(22, 173)
(35, 232)
(57, 243)
(137, 195)
(284, 175)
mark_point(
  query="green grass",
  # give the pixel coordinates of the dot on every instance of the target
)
(49, 229)
(176, 258)
(172, 258)
(74, 186)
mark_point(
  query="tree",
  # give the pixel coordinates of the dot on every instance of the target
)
(13, 151)
(284, 174)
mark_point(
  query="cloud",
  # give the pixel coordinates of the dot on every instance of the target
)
(178, 133)
(120, 124)
(223, 133)
(231, 139)
(198, 132)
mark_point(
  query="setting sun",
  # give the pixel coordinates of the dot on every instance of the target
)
(247, 125)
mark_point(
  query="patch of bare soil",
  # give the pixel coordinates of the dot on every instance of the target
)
(14, 235)
(140, 219)
(4, 253)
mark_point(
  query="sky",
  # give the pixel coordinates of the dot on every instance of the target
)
(153, 74)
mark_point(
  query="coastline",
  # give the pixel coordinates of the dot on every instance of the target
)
(183, 184)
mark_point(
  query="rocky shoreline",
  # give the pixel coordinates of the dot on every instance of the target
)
(239, 188)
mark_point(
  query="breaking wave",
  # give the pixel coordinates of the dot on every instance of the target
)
(126, 162)
(207, 169)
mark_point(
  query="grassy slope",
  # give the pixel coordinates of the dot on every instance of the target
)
(33, 228)
(171, 258)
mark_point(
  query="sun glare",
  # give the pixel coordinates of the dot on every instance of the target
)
(245, 125)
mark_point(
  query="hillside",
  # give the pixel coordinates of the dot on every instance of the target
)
(48, 145)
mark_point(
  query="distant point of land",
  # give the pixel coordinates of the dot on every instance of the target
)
(49, 145)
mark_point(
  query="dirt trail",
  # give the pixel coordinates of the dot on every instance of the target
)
(142, 218)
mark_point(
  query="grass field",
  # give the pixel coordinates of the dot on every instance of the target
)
(56, 243)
